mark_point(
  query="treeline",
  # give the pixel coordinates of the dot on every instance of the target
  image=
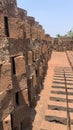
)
(68, 34)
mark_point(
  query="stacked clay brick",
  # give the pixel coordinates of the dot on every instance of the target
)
(24, 52)
(63, 44)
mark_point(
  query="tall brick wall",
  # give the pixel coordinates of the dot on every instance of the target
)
(24, 52)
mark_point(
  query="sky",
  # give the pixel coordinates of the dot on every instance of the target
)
(56, 16)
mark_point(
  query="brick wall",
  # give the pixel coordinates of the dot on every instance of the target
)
(24, 54)
(63, 44)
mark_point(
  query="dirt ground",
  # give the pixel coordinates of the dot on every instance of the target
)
(58, 61)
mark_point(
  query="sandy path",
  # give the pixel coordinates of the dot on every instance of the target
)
(58, 60)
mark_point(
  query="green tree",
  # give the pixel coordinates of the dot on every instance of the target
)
(70, 33)
(58, 35)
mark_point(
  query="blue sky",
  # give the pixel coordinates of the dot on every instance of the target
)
(56, 16)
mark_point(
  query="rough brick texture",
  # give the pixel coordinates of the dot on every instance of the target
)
(24, 52)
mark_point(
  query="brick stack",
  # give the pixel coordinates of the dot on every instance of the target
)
(31, 21)
(63, 44)
(31, 76)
